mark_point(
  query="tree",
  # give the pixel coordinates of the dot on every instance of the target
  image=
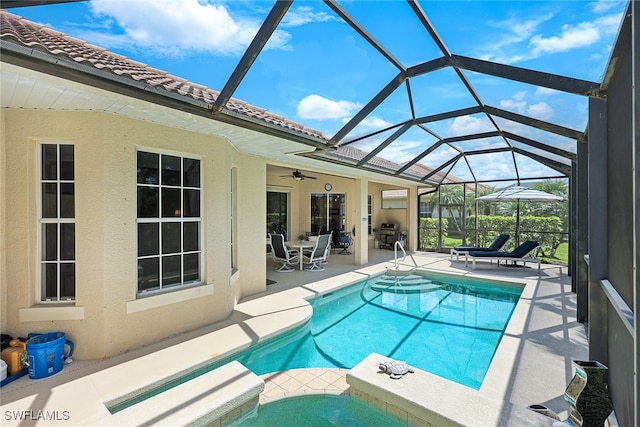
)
(557, 209)
(452, 199)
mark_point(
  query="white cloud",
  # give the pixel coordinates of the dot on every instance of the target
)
(520, 95)
(518, 103)
(541, 110)
(575, 36)
(305, 15)
(518, 29)
(508, 50)
(544, 91)
(399, 151)
(374, 123)
(609, 24)
(601, 6)
(465, 125)
(317, 107)
(441, 155)
(571, 37)
(175, 27)
(510, 33)
(513, 105)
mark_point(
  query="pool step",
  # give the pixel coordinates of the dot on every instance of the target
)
(404, 288)
(220, 394)
(407, 280)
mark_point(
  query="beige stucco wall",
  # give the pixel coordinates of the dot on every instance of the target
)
(107, 317)
(3, 228)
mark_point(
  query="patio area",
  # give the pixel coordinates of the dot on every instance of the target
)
(533, 363)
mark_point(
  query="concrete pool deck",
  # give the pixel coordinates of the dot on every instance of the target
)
(533, 363)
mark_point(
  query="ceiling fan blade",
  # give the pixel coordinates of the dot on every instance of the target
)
(309, 177)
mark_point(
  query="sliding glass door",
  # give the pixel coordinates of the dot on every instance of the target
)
(328, 212)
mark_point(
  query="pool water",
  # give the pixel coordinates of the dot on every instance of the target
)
(449, 328)
(318, 411)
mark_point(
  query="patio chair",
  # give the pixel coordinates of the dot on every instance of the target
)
(497, 244)
(282, 254)
(518, 254)
(342, 240)
(318, 256)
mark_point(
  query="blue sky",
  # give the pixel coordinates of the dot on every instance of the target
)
(318, 71)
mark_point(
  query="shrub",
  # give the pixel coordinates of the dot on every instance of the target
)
(429, 232)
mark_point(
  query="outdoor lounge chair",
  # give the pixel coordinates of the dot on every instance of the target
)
(318, 256)
(518, 254)
(282, 254)
(497, 244)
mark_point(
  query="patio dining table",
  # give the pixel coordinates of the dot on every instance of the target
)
(300, 246)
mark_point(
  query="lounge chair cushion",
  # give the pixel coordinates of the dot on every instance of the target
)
(496, 245)
(518, 252)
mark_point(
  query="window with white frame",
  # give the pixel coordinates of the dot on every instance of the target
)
(369, 214)
(169, 221)
(57, 223)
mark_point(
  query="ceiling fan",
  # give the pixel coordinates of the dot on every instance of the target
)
(297, 176)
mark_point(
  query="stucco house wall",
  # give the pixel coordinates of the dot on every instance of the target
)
(107, 317)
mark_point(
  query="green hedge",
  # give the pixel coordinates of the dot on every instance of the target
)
(546, 230)
(429, 232)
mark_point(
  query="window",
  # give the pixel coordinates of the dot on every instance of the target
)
(394, 199)
(369, 214)
(169, 222)
(57, 223)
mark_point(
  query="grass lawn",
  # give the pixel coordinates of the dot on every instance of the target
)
(561, 257)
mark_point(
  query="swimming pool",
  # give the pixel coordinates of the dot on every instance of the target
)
(448, 326)
(445, 325)
(318, 410)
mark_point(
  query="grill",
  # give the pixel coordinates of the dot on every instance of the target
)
(389, 234)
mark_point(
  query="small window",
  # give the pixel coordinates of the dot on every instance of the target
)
(395, 199)
(369, 214)
(169, 223)
(57, 230)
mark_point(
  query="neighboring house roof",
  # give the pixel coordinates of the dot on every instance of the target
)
(22, 32)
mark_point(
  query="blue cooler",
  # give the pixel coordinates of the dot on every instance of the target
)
(46, 353)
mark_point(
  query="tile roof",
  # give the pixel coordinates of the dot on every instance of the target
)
(352, 154)
(22, 32)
